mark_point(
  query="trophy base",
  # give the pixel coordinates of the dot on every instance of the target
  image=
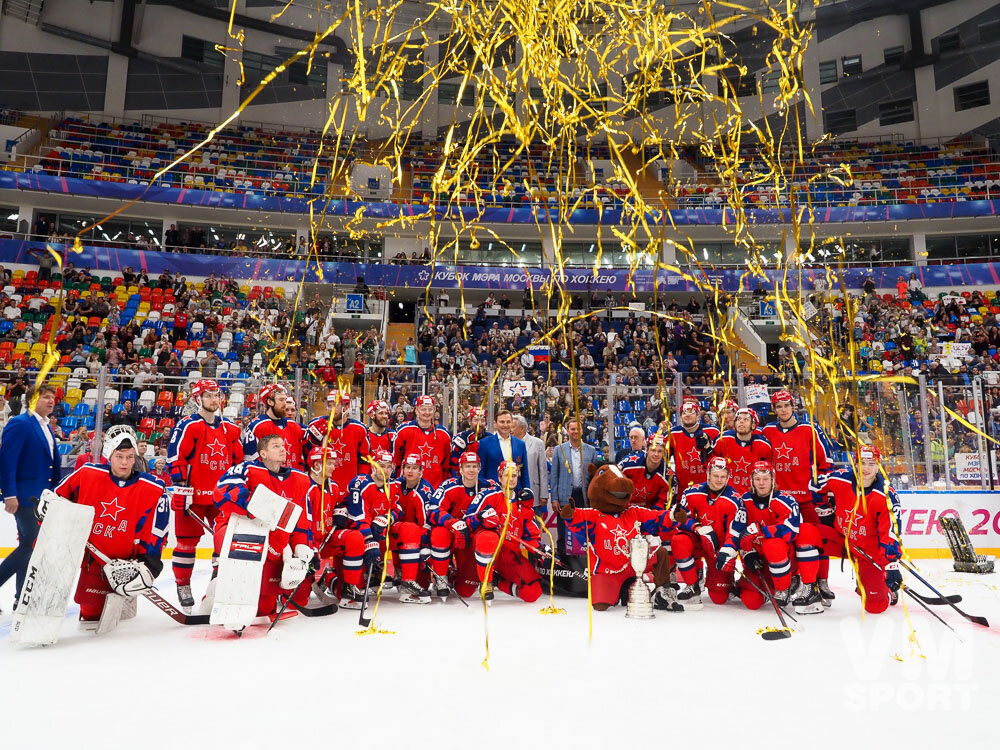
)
(640, 606)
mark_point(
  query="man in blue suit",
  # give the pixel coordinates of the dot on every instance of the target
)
(29, 463)
(501, 446)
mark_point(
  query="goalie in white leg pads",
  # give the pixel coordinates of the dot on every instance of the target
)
(252, 567)
(130, 522)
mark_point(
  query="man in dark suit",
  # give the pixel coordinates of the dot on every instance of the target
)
(29, 463)
(501, 446)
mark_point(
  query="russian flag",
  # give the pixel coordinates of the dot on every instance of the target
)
(540, 353)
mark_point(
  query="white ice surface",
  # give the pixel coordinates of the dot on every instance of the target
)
(699, 679)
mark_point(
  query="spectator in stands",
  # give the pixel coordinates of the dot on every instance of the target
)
(636, 441)
(210, 365)
(5, 413)
(916, 288)
(56, 429)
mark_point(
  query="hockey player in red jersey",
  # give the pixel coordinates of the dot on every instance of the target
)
(286, 550)
(866, 525)
(609, 527)
(799, 454)
(403, 527)
(379, 435)
(727, 416)
(339, 519)
(647, 470)
(705, 514)
(278, 419)
(496, 512)
(468, 440)
(203, 446)
(744, 446)
(130, 523)
(346, 437)
(764, 532)
(429, 442)
(449, 532)
(690, 446)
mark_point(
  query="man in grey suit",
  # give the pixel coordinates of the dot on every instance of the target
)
(538, 468)
(569, 477)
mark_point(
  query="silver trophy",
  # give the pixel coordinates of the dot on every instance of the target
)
(640, 606)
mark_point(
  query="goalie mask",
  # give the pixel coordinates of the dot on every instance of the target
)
(118, 437)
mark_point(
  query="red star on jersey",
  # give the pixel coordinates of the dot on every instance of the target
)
(694, 457)
(640, 494)
(341, 450)
(741, 466)
(111, 508)
(426, 455)
(783, 451)
(216, 448)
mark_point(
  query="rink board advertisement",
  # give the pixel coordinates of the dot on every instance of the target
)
(980, 511)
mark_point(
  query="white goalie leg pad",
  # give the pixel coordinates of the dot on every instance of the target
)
(128, 577)
(111, 615)
(241, 568)
(52, 569)
(273, 510)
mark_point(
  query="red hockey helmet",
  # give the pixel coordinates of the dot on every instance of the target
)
(869, 452)
(469, 457)
(271, 390)
(424, 400)
(343, 396)
(506, 466)
(754, 419)
(412, 460)
(200, 387)
(690, 404)
(763, 467)
(656, 440)
(322, 454)
(476, 412)
(382, 457)
(375, 406)
(780, 397)
(718, 462)
(727, 405)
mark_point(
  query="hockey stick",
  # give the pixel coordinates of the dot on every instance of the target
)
(936, 616)
(188, 491)
(455, 589)
(770, 635)
(362, 620)
(321, 611)
(548, 556)
(291, 596)
(978, 619)
(938, 601)
(161, 603)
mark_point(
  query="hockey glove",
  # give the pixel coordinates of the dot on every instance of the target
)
(340, 518)
(128, 577)
(458, 444)
(891, 550)
(725, 561)
(43, 503)
(702, 443)
(460, 530)
(752, 562)
(180, 498)
(379, 525)
(526, 496)
(893, 577)
(751, 538)
(372, 553)
(490, 519)
(708, 537)
(293, 572)
(818, 485)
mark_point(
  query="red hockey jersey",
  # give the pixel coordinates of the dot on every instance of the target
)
(687, 450)
(742, 456)
(610, 535)
(796, 449)
(349, 440)
(715, 509)
(130, 515)
(291, 432)
(432, 446)
(237, 486)
(652, 489)
(379, 442)
(199, 453)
